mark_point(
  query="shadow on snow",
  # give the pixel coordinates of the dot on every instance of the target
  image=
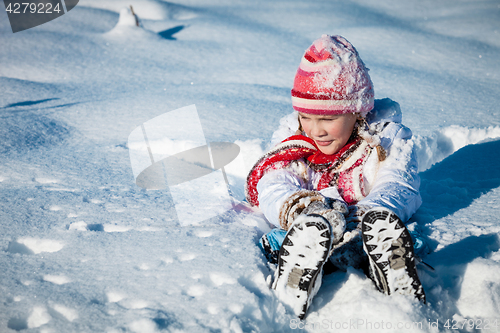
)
(458, 180)
(169, 33)
(448, 187)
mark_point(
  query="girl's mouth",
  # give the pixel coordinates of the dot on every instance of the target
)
(324, 143)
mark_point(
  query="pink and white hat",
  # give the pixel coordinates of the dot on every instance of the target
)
(332, 79)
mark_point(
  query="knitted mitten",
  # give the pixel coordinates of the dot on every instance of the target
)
(305, 202)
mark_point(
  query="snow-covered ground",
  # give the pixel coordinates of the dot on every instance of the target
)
(83, 249)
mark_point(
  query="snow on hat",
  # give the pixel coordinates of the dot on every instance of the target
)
(332, 79)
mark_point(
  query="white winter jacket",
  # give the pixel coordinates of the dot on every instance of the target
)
(392, 183)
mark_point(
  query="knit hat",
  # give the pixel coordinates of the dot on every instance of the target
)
(332, 79)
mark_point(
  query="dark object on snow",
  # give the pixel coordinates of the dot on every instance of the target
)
(390, 252)
(304, 251)
(135, 16)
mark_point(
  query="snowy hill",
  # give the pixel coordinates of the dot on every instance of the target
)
(83, 249)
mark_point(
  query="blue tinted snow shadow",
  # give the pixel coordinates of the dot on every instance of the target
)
(169, 33)
(165, 320)
(466, 250)
(31, 131)
(458, 180)
(18, 324)
(28, 103)
(451, 263)
(447, 187)
(455, 182)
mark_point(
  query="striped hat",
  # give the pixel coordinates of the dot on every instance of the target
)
(332, 79)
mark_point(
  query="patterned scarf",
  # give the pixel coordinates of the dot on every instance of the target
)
(343, 169)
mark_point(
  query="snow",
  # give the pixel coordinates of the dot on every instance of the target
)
(83, 249)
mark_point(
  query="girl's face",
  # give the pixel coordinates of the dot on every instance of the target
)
(330, 132)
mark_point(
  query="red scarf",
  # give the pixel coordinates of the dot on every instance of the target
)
(319, 158)
(299, 146)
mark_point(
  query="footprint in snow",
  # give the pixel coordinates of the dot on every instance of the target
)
(29, 245)
(82, 226)
(115, 296)
(203, 233)
(196, 290)
(113, 208)
(65, 312)
(134, 304)
(57, 279)
(213, 309)
(116, 228)
(39, 316)
(18, 323)
(53, 208)
(46, 180)
(167, 260)
(220, 278)
(94, 201)
(143, 267)
(187, 256)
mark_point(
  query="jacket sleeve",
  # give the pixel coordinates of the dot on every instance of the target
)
(396, 185)
(274, 188)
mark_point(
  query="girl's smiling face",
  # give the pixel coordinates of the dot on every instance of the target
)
(330, 132)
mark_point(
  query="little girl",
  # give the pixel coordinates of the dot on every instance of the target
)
(339, 183)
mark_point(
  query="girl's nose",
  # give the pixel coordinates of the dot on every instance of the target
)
(317, 130)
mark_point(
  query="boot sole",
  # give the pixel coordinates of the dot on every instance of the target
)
(390, 252)
(300, 262)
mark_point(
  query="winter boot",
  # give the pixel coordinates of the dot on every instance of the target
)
(303, 253)
(389, 247)
(270, 244)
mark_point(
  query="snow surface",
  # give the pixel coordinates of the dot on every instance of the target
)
(83, 249)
